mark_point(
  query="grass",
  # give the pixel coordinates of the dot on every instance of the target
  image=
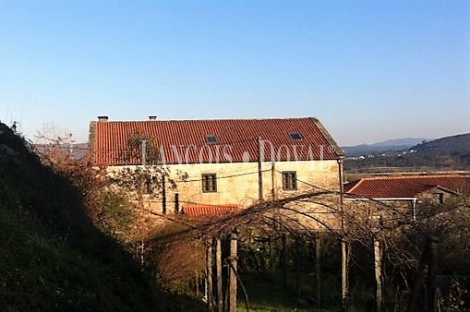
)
(266, 293)
(52, 258)
(39, 272)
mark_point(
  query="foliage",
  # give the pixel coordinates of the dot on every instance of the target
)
(177, 257)
(457, 297)
(107, 207)
(139, 143)
(457, 144)
(267, 294)
(141, 180)
(450, 224)
(116, 216)
(449, 153)
(52, 257)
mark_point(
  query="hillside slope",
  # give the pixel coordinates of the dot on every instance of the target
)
(52, 258)
(448, 153)
(381, 147)
(457, 144)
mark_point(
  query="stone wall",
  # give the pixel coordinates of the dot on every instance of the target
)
(238, 183)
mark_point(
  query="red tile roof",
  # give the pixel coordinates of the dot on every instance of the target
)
(406, 186)
(205, 211)
(237, 139)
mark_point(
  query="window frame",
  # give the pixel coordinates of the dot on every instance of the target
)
(296, 136)
(438, 198)
(148, 185)
(211, 139)
(209, 183)
(289, 180)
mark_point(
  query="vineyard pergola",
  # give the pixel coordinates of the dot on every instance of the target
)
(296, 217)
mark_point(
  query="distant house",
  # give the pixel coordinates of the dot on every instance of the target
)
(227, 161)
(414, 190)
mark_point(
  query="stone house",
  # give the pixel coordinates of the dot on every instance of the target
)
(225, 161)
(412, 193)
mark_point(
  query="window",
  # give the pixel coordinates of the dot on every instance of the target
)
(211, 139)
(148, 189)
(209, 183)
(289, 180)
(295, 136)
(438, 198)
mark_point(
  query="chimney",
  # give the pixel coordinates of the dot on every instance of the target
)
(152, 117)
(102, 118)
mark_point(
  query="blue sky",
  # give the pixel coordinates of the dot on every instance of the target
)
(369, 70)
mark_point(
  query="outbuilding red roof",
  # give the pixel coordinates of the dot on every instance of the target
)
(406, 186)
(205, 211)
(222, 140)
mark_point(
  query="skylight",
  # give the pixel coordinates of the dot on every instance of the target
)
(211, 139)
(295, 136)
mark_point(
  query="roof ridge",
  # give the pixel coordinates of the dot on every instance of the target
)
(212, 205)
(212, 119)
(404, 177)
(358, 182)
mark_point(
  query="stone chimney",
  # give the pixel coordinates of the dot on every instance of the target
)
(102, 118)
(153, 117)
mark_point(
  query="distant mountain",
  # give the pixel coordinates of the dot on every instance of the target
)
(380, 147)
(455, 145)
(448, 153)
(400, 142)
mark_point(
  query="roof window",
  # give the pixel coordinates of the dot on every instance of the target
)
(295, 136)
(211, 139)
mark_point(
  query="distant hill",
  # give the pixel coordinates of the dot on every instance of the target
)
(456, 145)
(380, 147)
(448, 153)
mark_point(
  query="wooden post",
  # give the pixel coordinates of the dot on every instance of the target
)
(220, 291)
(297, 266)
(141, 204)
(341, 193)
(209, 282)
(429, 259)
(177, 203)
(233, 274)
(144, 152)
(163, 194)
(271, 254)
(345, 246)
(431, 282)
(378, 274)
(413, 209)
(197, 283)
(260, 172)
(273, 180)
(418, 280)
(317, 270)
(284, 260)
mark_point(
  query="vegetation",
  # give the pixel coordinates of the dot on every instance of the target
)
(281, 277)
(52, 256)
(273, 285)
(449, 153)
(68, 243)
(177, 258)
(382, 147)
